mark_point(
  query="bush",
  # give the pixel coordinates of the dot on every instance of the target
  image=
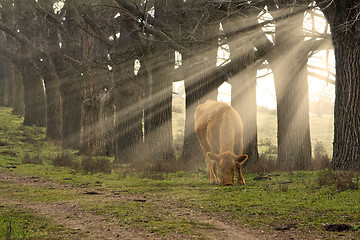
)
(321, 159)
(28, 140)
(27, 159)
(90, 164)
(9, 152)
(64, 160)
(265, 164)
(341, 180)
(270, 148)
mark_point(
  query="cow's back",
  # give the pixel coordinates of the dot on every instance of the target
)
(218, 127)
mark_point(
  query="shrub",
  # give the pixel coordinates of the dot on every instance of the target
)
(9, 152)
(341, 180)
(270, 148)
(28, 139)
(90, 164)
(266, 163)
(27, 159)
(64, 160)
(321, 159)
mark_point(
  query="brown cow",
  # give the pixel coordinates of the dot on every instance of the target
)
(219, 130)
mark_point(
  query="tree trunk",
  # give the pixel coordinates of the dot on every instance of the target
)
(243, 99)
(344, 23)
(17, 92)
(90, 135)
(90, 126)
(192, 154)
(289, 68)
(346, 152)
(7, 84)
(71, 94)
(128, 95)
(53, 106)
(158, 113)
(106, 121)
(128, 124)
(2, 83)
(96, 125)
(243, 83)
(200, 85)
(294, 146)
(34, 96)
(70, 73)
(49, 43)
(159, 65)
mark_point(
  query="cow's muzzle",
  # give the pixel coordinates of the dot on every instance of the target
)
(228, 184)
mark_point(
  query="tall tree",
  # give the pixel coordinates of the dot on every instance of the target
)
(243, 83)
(344, 23)
(49, 43)
(17, 91)
(199, 32)
(289, 66)
(70, 72)
(158, 110)
(128, 90)
(25, 57)
(5, 93)
(34, 94)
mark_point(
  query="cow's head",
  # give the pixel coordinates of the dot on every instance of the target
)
(227, 163)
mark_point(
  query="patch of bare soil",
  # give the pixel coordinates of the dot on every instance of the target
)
(85, 225)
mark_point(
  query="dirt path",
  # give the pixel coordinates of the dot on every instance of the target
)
(86, 225)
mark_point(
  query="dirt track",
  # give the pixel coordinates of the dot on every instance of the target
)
(86, 225)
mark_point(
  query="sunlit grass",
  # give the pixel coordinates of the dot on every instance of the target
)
(150, 200)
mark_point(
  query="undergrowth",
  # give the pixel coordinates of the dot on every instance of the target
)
(340, 181)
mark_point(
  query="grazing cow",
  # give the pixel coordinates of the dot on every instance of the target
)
(219, 130)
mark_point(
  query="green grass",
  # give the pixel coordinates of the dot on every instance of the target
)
(306, 200)
(16, 223)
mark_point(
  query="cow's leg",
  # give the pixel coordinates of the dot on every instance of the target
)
(240, 178)
(210, 165)
(215, 172)
(212, 174)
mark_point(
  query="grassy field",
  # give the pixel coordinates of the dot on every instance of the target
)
(41, 201)
(321, 128)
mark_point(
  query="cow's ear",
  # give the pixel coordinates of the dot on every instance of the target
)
(213, 156)
(241, 159)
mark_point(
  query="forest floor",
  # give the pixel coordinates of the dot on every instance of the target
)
(41, 200)
(85, 225)
(77, 223)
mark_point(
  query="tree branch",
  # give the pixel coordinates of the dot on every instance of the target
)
(318, 76)
(19, 37)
